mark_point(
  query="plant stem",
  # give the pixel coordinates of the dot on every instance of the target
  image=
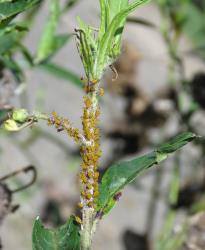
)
(90, 152)
(86, 232)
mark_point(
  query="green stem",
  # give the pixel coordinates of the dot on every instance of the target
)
(88, 213)
(86, 232)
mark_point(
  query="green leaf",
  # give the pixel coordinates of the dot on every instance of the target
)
(10, 37)
(10, 9)
(104, 17)
(62, 73)
(141, 21)
(120, 174)
(15, 69)
(109, 9)
(66, 237)
(58, 42)
(47, 44)
(176, 143)
(87, 46)
(115, 6)
(107, 44)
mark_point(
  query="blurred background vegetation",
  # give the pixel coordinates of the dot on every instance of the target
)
(159, 92)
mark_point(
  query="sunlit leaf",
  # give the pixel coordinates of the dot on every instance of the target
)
(120, 174)
(109, 45)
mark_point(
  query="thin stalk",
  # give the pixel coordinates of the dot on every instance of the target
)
(90, 152)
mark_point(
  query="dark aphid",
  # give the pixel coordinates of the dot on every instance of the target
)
(99, 215)
(60, 129)
(117, 196)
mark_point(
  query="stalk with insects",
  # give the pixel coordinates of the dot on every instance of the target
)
(98, 49)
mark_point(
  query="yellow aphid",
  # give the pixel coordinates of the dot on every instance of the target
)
(101, 92)
(89, 186)
(90, 174)
(88, 196)
(80, 205)
(94, 81)
(78, 220)
(96, 193)
(57, 121)
(90, 204)
(54, 114)
(83, 193)
(88, 102)
(96, 175)
(83, 178)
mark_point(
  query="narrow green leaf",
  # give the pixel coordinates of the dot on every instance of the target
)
(104, 18)
(66, 237)
(62, 73)
(119, 175)
(47, 44)
(87, 46)
(15, 68)
(10, 36)
(10, 9)
(115, 6)
(176, 143)
(141, 21)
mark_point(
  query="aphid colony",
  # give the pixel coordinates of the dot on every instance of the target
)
(62, 124)
(90, 153)
(90, 147)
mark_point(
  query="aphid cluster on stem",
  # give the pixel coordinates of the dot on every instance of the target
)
(62, 124)
(90, 153)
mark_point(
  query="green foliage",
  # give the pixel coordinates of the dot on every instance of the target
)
(195, 27)
(100, 52)
(62, 73)
(12, 8)
(170, 240)
(119, 175)
(67, 237)
(47, 44)
(10, 37)
(188, 17)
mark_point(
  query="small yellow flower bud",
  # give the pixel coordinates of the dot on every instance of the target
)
(11, 125)
(20, 115)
